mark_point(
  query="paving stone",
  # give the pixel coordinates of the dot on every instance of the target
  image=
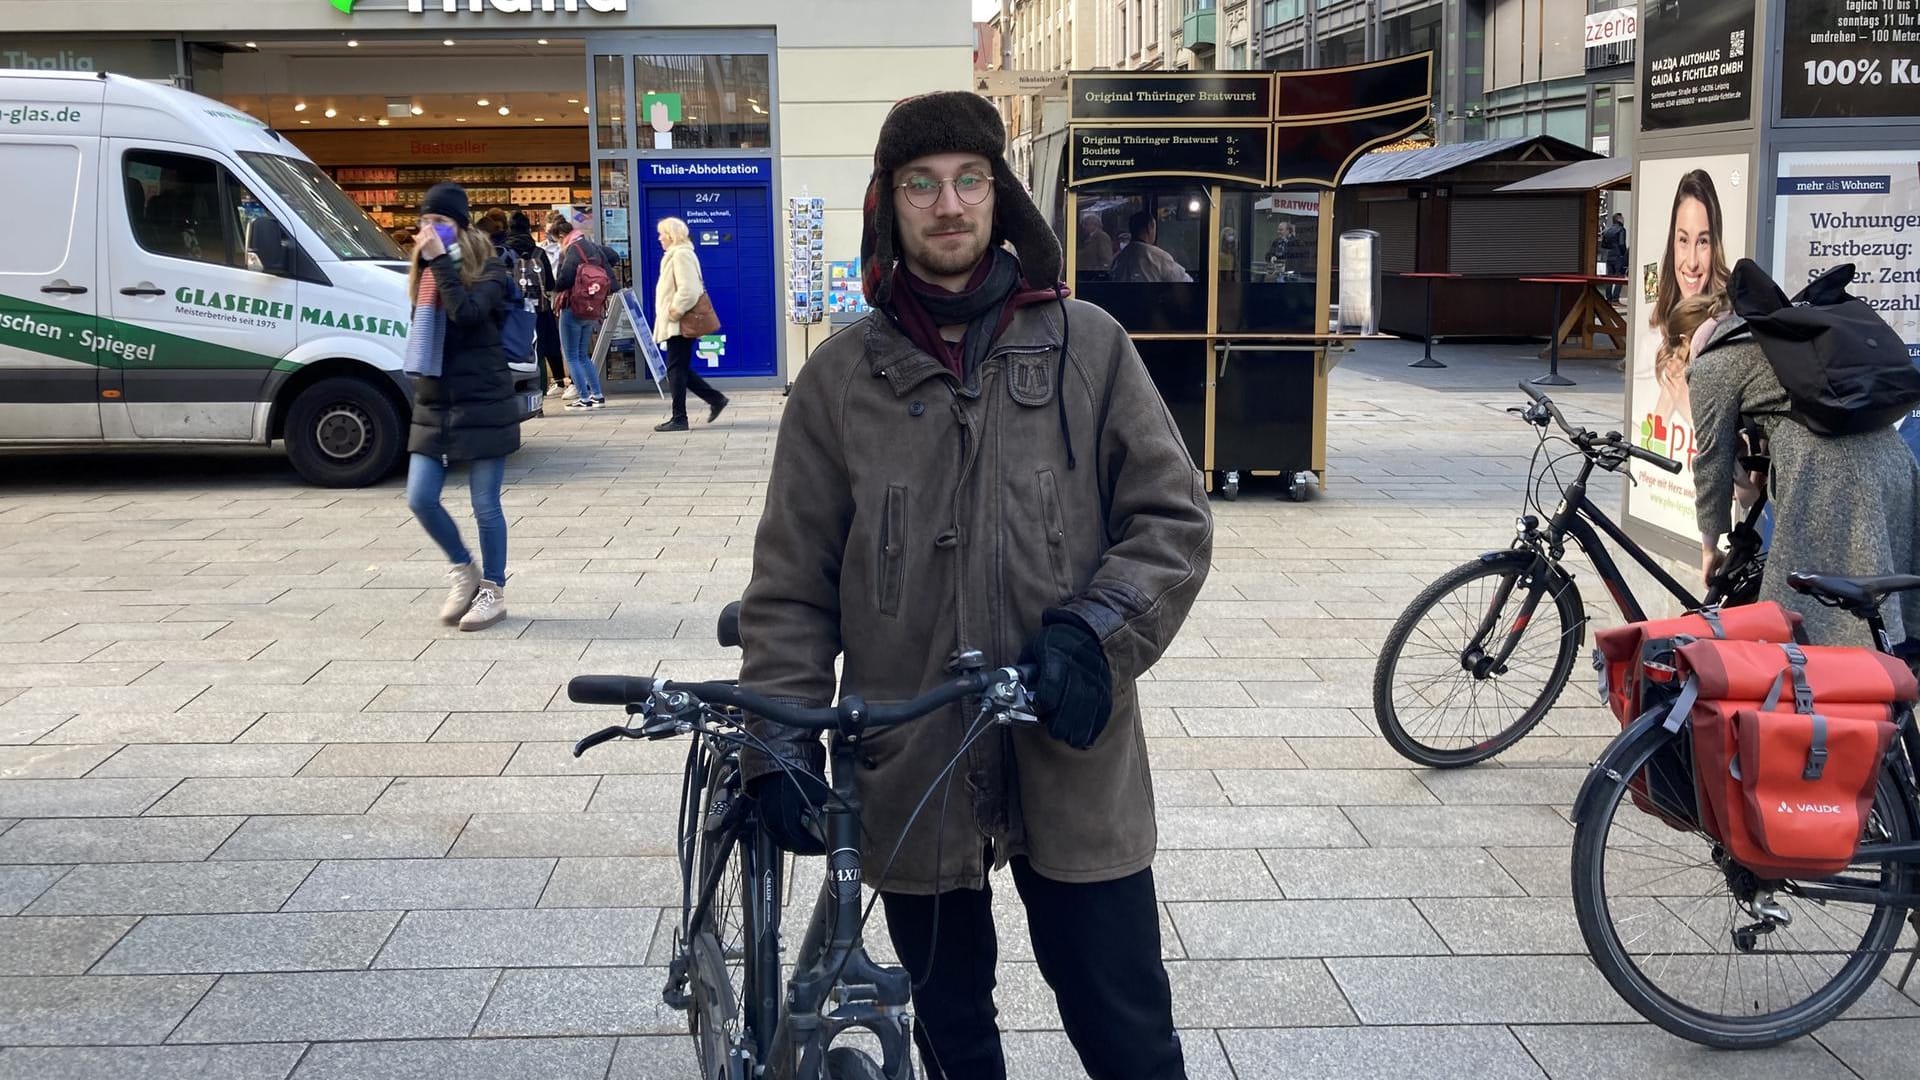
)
(1485, 1053)
(1478, 990)
(290, 795)
(172, 888)
(540, 835)
(1647, 1053)
(1541, 871)
(638, 793)
(406, 884)
(647, 1057)
(348, 836)
(20, 885)
(425, 759)
(1542, 787)
(50, 762)
(305, 727)
(1873, 1049)
(101, 699)
(625, 756)
(1194, 874)
(1051, 1054)
(486, 794)
(545, 937)
(614, 882)
(1256, 929)
(136, 727)
(479, 1059)
(17, 729)
(1321, 787)
(231, 672)
(583, 1001)
(1461, 826)
(79, 798)
(56, 946)
(86, 840)
(261, 1062)
(95, 1010)
(1240, 753)
(1269, 722)
(522, 726)
(326, 941)
(1254, 827)
(200, 760)
(1510, 925)
(1389, 872)
(331, 697)
(336, 1005)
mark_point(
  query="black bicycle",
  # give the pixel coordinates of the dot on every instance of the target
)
(1481, 654)
(725, 970)
(1710, 950)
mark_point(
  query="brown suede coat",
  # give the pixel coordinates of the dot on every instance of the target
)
(909, 516)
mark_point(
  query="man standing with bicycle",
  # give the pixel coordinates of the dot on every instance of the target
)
(982, 465)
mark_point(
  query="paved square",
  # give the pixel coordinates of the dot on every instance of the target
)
(261, 816)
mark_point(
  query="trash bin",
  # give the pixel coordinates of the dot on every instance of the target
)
(1359, 310)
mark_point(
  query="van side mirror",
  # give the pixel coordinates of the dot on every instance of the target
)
(269, 248)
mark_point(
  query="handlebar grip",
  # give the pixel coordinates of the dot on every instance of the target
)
(598, 737)
(1658, 461)
(1532, 391)
(609, 689)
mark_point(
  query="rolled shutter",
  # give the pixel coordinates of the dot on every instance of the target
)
(1397, 223)
(1516, 235)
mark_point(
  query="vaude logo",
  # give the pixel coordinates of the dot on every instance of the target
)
(421, 7)
(1810, 808)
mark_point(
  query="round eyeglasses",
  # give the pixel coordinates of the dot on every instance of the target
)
(924, 191)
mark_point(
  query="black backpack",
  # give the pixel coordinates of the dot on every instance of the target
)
(1844, 369)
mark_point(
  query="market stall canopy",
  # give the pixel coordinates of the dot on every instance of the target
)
(1606, 174)
(1402, 166)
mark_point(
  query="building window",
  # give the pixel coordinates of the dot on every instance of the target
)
(725, 102)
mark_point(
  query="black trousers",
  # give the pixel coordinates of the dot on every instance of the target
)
(1099, 949)
(546, 327)
(681, 378)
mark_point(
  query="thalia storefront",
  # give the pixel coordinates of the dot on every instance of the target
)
(629, 110)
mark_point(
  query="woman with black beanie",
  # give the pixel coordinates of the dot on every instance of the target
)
(463, 400)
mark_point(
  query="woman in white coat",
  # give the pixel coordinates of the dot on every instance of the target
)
(680, 287)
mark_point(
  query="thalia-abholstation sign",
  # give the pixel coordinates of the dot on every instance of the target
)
(510, 7)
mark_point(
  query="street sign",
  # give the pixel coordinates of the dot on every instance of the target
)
(1235, 153)
(998, 83)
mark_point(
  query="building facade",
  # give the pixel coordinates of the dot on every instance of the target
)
(622, 109)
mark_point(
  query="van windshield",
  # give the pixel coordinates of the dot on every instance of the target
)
(345, 228)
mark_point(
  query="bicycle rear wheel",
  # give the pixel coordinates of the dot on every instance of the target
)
(1699, 945)
(1441, 694)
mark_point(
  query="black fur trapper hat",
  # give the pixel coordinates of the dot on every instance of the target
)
(946, 122)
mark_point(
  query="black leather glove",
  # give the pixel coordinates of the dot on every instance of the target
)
(1074, 693)
(786, 799)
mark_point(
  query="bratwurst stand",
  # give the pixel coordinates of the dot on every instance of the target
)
(1199, 213)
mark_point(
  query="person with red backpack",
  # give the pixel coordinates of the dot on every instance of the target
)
(584, 278)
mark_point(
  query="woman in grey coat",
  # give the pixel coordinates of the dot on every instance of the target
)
(1842, 504)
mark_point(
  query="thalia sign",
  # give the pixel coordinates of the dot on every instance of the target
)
(421, 7)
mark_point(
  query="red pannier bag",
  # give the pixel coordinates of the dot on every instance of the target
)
(1637, 673)
(1788, 743)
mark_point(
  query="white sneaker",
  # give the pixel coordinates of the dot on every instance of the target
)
(554, 390)
(570, 393)
(489, 607)
(463, 582)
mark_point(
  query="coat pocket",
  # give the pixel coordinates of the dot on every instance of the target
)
(893, 550)
(1056, 527)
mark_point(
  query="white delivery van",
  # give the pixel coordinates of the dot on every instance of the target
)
(177, 272)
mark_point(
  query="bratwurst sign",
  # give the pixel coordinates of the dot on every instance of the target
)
(1105, 98)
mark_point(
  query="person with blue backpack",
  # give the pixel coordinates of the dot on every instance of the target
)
(464, 407)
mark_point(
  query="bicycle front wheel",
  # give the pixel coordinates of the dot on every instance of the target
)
(1476, 660)
(1705, 948)
(722, 932)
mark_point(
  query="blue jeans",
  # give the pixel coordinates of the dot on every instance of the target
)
(576, 343)
(426, 476)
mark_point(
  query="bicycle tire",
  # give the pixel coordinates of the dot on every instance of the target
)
(1722, 1030)
(1571, 613)
(719, 988)
(847, 1063)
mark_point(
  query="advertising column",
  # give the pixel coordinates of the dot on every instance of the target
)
(1691, 224)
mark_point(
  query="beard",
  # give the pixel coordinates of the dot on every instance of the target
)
(950, 254)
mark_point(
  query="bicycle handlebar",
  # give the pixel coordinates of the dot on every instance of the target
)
(633, 690)
(1586, 439)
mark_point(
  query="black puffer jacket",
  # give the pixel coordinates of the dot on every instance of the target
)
(469, 412)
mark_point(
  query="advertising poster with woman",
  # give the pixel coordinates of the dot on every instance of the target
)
(1690, 228)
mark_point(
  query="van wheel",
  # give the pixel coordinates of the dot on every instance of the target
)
(342, 432)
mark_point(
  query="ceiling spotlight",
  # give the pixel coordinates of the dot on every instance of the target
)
(353, 44)
(1193, 206)
(448, 43)
(362, 119)
(306, 121)
(573, 101)
(459, 119)
(542, 41)
(539, 119)
(418, 111)
(504, 110)
(299, 106)
(252, 45)
(384, 122)
(483, 103)
(332, 112)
